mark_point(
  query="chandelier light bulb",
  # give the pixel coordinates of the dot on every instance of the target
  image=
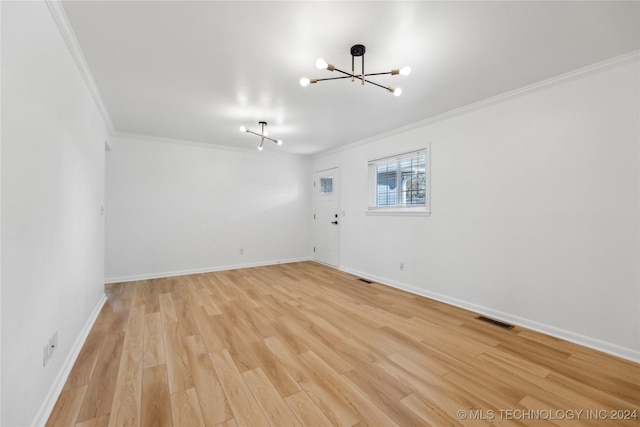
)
(397, 92)
(243, 129)
(260, 147)
(304, 82)
(321, 64)
(405, 71)
(279, 142)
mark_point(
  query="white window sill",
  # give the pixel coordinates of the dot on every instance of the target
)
(398, 211)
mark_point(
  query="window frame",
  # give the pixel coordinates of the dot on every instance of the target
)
(398, 209)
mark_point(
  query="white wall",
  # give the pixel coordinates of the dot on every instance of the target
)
(535, 203)
(52, 189)
(175, 208)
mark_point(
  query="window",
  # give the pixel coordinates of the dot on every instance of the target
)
(326, 185)
(399, 184)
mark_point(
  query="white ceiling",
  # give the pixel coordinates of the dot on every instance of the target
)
(196, 71)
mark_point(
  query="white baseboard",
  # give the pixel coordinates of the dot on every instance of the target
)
(596, 344)
(52, 397)
(162, 274)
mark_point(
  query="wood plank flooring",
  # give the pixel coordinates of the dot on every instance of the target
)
(305, 345)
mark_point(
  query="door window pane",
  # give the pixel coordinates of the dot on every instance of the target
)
(326, 185)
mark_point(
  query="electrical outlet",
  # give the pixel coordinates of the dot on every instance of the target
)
(402, 266)
(49, 348)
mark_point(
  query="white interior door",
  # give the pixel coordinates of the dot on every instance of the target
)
(326, 218)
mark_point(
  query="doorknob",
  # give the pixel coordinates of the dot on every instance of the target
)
(334, 222)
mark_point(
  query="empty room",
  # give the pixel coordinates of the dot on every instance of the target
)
(319, 213)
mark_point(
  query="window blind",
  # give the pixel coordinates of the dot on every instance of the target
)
(398, 181)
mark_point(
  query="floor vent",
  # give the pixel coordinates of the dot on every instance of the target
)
(366, 281)
(495, 322)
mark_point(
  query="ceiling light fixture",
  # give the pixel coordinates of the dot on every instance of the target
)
(356, 50)
(263, 135)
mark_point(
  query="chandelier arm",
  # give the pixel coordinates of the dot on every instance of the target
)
(353, 68)
(376, 84)
(346, 75)
(255, 133)
(262, 136)
(377, 74)
(359, 76)
(344, 72)
(352, 75)
(270, 139)
(334, 78)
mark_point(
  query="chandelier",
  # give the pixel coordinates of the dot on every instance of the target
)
(263, 135)
(356, 50)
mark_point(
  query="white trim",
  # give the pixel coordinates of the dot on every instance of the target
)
(54, 392)
(146, 276)
(580, 72)
(583, 340)
(398, 211)
(209, 145)
(66, 31)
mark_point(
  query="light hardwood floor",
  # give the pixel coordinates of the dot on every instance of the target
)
(305, 345)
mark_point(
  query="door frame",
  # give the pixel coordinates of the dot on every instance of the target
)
(337, 194)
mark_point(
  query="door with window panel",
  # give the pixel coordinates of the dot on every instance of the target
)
(326, 216)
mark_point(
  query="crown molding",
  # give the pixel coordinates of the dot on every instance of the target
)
(208, 145)
(60, 17)
(580, 72)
